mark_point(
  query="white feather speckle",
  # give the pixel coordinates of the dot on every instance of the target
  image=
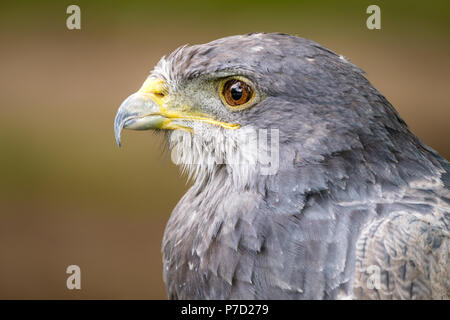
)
(257, 49)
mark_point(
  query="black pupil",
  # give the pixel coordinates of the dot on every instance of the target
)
(236, 91)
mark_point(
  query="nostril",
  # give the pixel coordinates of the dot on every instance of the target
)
(159, 94)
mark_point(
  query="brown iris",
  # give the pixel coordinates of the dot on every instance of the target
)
(236, 92)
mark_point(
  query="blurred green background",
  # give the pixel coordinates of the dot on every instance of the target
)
(68, 195)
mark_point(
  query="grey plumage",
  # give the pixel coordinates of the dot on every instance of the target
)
(356, 193)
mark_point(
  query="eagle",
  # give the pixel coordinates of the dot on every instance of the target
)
(307, 184)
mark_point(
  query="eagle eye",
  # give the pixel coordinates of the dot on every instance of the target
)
(236, 93)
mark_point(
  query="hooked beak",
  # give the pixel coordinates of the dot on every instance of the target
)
(137, 112)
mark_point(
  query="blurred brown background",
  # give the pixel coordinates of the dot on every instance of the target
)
(68, 195)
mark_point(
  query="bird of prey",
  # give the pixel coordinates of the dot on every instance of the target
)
(307, 183)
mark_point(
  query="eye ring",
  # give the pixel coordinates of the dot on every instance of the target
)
(237, 93)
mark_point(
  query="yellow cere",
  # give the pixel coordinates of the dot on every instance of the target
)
(156, 88)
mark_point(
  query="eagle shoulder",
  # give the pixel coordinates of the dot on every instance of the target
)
(404, 255)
